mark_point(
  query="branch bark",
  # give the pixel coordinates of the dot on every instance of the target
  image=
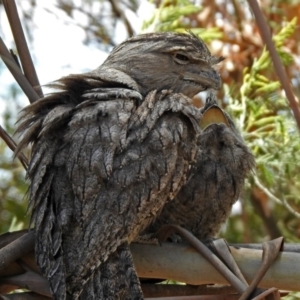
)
(19, 37)
(182, 263)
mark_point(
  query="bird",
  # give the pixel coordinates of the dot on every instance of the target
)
(110, 148)
(215, 181)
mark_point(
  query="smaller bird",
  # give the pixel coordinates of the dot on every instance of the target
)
(215, 180)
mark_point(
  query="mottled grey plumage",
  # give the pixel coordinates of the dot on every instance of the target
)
(109, 149)
(214, 182)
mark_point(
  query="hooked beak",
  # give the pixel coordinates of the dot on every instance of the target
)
(210, 79)
(208, 76)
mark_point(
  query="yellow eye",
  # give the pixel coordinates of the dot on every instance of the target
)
(180, 58)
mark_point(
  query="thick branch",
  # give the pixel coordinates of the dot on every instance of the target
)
(16, 249)
(168, 290)
(183, 263)
(179, 262)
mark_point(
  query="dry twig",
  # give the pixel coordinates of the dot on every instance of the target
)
(19, 37)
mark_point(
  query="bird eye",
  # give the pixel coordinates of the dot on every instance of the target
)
(180, 58)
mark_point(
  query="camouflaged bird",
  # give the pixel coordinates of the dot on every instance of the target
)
(216, 179)
(110, 148)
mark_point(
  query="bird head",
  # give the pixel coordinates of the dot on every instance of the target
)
(162, 61)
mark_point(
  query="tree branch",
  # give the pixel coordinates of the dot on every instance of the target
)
(179, 262)
(183, 263)
(12, 145)
(17, 73)
(16, 249)
(23, 51)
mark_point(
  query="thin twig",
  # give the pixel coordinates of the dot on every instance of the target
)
(288, 248)
(12, 145)
(19, 37)
(278, 66)
(271, 250)
(275, 199)
(256, 198)
(206, 253)
(120, 14)
(221, 248)
(17, 73)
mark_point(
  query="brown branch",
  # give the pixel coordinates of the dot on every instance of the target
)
(232, 274)
(223, 296)
(259, 201)
(24, 296)
(120, 14)
(278, 66)
(17, 73)
(168, 290)
(166, 230)
(19, 37)
(295, 248)
(9, 237)
(206, 297)
(271, 251)
(30, 281)
(16, 249)
(12, 145)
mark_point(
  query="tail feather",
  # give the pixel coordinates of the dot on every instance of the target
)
(115, 279)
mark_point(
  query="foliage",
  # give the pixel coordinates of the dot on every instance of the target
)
(292, 296)
(264, 117)
(13, 204)
(170, 15)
